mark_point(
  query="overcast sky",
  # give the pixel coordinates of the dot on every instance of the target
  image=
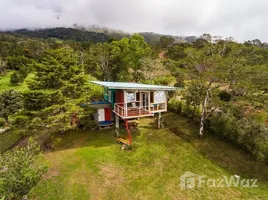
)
(242, 19)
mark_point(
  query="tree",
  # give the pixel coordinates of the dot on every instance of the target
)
(126, 55)
(166, 41)
(151, 69)
(99, 61)
(11, 101)
(56, 92)
(16, 62)
(2, 67)
(214, 65)
(195, 93)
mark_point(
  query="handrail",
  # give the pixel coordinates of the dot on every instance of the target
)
(124, 110)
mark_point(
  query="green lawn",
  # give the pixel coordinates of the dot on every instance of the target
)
(8, 139)
(90, 165)
(5, 82)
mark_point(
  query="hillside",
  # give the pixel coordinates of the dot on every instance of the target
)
(94, 34)
(153, 38)
(63, 33)
(90, 165)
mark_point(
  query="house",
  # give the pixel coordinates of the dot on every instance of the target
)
(131, 100)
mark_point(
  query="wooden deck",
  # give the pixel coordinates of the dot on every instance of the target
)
(132, 113)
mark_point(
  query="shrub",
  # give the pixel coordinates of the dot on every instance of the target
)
(18, 174)
(175, 105)
(10, 102)
(247, 134)
(15, 78)
(2, 122)
(225, 96)
(18, 119)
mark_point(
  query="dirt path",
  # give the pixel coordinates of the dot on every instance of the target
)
(22, 142)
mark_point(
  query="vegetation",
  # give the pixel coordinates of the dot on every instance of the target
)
(64, 34)
(10, 103)
(17, 173)
(45, 89)
(90, 165)
(219, 95)
(8, 139)
(5, 83)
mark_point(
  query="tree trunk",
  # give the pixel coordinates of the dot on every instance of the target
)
(204, 111)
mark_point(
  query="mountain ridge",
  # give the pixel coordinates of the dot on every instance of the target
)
(94, 34)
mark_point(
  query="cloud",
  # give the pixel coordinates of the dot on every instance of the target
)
(241, 19)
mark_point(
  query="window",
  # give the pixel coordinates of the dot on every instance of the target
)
(105, 94)
(151, 97)
(130, 96)
(159, 97)
(110, 96)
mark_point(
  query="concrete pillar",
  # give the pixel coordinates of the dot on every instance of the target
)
(116, 125)
(159, 120)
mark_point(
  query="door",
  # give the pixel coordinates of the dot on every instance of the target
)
(145, 100)
(101, 115)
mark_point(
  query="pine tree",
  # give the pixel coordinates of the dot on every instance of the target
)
(56, 91)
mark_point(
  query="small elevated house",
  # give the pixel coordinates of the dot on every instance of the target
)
(130, 101)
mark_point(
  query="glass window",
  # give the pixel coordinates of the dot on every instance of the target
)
(110, 97)
(130, 96)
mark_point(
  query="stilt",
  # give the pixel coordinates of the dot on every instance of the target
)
(116, 125)
(128, 132)
(159, 120)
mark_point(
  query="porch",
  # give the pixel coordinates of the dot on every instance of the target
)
(132, 110)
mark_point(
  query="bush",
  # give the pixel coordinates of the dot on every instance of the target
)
(225, 96)
(17, 172)
(87, 122)
(247, 134)
(2, 122)
(15, 78)
(18, 119)
(175, 105)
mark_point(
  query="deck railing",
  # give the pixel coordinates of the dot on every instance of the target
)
(131, 109)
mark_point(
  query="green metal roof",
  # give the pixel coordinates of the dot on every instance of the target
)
(133, 86)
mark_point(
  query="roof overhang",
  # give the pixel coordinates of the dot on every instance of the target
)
(134, 86)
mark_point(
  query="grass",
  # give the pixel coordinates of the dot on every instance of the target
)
(90, 165)
(8, 139)
(5, 82)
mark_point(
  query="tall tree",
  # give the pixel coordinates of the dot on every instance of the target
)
(99, 61)
(126, 55)
(56, 91)
(213, 65)
(2, 66)
(11, 101)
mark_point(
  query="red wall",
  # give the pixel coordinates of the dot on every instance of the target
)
(108, 114)
(119, 96)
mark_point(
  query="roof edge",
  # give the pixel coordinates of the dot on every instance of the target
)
(133, 86)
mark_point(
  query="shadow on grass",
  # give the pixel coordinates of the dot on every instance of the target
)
(224, 154)
(87, 138)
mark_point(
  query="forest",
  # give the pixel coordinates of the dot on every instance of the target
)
(45, 79)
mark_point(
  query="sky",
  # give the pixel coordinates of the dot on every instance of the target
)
(241, 19)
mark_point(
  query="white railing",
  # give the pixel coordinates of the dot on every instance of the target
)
(131, 109)
(119, 109)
